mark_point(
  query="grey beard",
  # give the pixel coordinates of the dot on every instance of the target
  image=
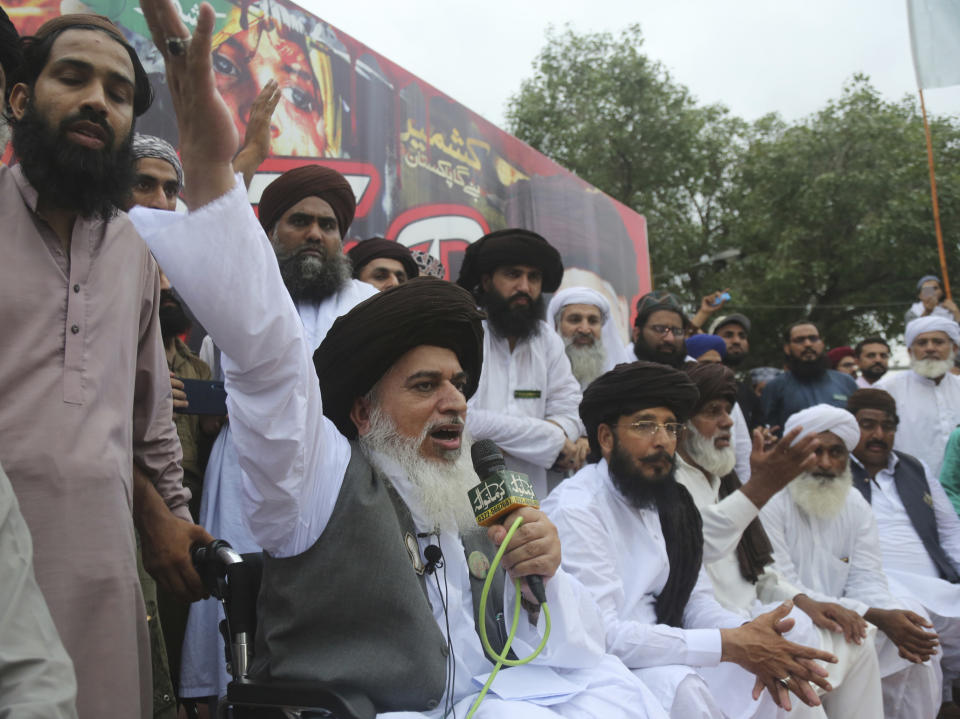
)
(438, 487)
(931, 368)
(822, 497)
(311, 278)
(719, 462)
(586, 362)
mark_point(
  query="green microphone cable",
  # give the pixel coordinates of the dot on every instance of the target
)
(502, 657)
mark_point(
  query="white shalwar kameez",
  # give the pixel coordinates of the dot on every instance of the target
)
(908, 565)
(838, 560)
(928, 413)
(294, 459)
(619, 553)
(855, 677)
(528, 402)
(203, 672)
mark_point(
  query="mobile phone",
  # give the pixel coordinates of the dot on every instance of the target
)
(724, 297)
(204, 396)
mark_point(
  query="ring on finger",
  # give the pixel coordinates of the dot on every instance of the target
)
(177, 46)
(784, 681)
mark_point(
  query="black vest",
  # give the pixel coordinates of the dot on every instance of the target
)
(352, 609)
(911, 483)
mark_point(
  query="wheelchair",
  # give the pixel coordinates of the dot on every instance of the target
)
(234, 580)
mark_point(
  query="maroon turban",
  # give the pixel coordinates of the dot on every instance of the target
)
(510, 247)
(363, 344)
(368, 250)
(308, 181)
(838, 353)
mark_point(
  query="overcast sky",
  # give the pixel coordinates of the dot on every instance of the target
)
(755, 56)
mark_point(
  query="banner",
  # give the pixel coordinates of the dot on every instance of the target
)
(427, 172)
(935, 40)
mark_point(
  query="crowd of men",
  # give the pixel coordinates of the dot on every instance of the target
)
(713, 542)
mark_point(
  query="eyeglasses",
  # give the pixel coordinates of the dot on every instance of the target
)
(868, 425)
(666, 329)
(646, 428)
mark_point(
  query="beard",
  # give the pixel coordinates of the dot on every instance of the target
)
(173, 319)
(673, 358)
(932, 368)
(873, 372)
(821, 495)
(311, 278)
(703, 451)
(92, 183)
(640, 491)
(808, 369)
(520, 322)
(586, 361)
(734, 360)
(438, 487)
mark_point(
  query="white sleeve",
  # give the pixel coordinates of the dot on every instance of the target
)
(867, 581)
(742, 444)
(533, 440)
(724, 523)
(563, 390)
(948, 523)
(222, 264)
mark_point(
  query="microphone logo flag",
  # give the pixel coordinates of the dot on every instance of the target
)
(499, 494)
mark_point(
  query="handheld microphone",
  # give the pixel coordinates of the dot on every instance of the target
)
(499, 493)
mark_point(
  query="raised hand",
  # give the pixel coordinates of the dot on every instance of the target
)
(256, 140)
(772, 468)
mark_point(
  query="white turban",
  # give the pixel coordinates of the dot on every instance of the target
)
(932, 323)
(826, 418)
(612, 342)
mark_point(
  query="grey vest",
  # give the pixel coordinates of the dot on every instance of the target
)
(911, 483)
(352, 609)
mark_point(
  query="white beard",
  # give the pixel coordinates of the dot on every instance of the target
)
(703, 451)
(587, 362)
(821, 496)
(439, 486)
(931, 368)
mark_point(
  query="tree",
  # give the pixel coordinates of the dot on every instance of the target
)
(599, 107)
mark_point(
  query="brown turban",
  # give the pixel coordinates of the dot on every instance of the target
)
(368, 250)
(630, 387)
(713, 380)
(363, 344)
(35, 50)
(869, 398)
(308, 181)
(510, 247)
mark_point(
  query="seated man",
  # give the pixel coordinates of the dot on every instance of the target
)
(581, 316)
(824, 541)
(919, 531)
(632, 535)
(737, 553)
(382, 263)
(394, 374)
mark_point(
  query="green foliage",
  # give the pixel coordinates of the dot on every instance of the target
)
(832, 214)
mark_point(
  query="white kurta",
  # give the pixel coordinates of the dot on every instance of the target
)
(202, 670)
(294, 459)
(908, 565)
(928, 412)
(519, 392)
(618, 552)
(856, 675)
(838, 560)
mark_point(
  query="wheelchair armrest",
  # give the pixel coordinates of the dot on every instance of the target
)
(342, 702)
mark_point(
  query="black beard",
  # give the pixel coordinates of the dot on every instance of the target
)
(173, 320)
(306, 282)
(734, 360)
(92, 183)
(873, 373)
(639, 491)
(521, 322)
(808, 369)
(646, 352)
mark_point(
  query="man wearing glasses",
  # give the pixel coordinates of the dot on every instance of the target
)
(918, 528)
(632, 535)
(658, 330)
(808, 379)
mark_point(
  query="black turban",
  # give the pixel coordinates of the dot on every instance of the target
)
(630, 387)
(308, 181)
(713, 380)
(363, 252)
(10, 55)
(869, 398)
(34, 60)
(363, 344)
(657, 300)
(510, 247)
